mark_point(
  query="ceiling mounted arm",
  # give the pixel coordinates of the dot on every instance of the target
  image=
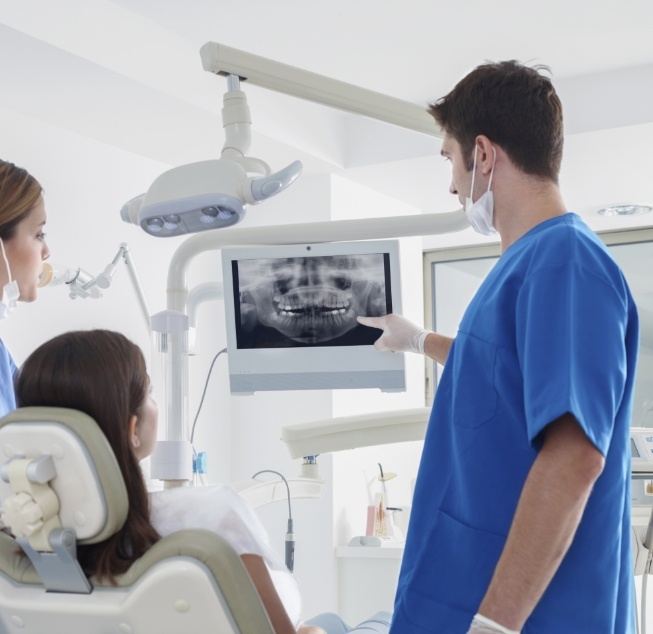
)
(224, 60)
(236, 120)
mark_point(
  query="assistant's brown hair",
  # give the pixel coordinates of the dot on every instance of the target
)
(513, 105)
(19, 192)
(103, 374)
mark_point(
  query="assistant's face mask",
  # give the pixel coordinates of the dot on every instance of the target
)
(480, 213)
(10, 292)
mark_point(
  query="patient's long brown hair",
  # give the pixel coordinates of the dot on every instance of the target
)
(103, 374)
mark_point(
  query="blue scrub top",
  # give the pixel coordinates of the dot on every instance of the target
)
(7, 372)
(553, 329)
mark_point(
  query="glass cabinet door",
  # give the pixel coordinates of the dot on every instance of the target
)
(452, 276)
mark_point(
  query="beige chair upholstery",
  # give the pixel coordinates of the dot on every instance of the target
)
(188, 582)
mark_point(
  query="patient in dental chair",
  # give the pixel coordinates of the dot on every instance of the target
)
(104, 374)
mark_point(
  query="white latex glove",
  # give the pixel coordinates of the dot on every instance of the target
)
(482, 625)
(399, 334)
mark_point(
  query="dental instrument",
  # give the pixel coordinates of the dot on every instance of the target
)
(80, 283)
(290, 533)
(383, 478)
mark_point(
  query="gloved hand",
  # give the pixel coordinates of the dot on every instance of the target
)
(482, 625)
(399, 334)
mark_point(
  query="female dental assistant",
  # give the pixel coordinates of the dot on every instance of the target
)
(22, 251)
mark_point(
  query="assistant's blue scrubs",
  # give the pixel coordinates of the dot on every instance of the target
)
(553, 329)
(7, 372)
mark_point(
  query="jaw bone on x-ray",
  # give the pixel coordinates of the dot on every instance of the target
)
(311, 301)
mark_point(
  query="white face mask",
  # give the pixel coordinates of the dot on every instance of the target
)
(10, 292)
(480, 213)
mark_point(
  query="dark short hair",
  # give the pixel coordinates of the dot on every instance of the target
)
(515, 106)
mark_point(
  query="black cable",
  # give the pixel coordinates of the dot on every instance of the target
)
(285, 481)
(290, 534)
(206, 385)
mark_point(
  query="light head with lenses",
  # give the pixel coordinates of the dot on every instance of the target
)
(211, 194)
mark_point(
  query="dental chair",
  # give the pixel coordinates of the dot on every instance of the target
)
(60, 486)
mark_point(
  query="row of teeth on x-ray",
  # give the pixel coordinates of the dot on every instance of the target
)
(325, 313)
(336, 304)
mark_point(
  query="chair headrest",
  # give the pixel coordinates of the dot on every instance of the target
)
(88, 483)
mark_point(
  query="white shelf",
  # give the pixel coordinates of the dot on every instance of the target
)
(370, 552)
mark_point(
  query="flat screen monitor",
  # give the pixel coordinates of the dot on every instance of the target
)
(291, 316)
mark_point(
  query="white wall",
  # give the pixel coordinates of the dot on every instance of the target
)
(355, 471)
(85, 185)
(244, 431)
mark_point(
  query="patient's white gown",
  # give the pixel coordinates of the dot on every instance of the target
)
(223, 511)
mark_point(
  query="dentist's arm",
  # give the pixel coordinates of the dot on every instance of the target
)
(550, 508)
(401, 335)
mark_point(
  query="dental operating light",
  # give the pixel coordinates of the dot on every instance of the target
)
(214, 194)
(211, 194)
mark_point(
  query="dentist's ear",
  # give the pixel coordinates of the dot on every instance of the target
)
(487, 154)
(134, 439)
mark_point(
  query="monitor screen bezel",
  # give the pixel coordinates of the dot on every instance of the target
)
(312, 367)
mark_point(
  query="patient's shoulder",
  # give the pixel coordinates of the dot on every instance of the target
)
(192, 507)
(216, 508)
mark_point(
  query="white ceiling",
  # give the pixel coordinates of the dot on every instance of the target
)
(128, 73)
